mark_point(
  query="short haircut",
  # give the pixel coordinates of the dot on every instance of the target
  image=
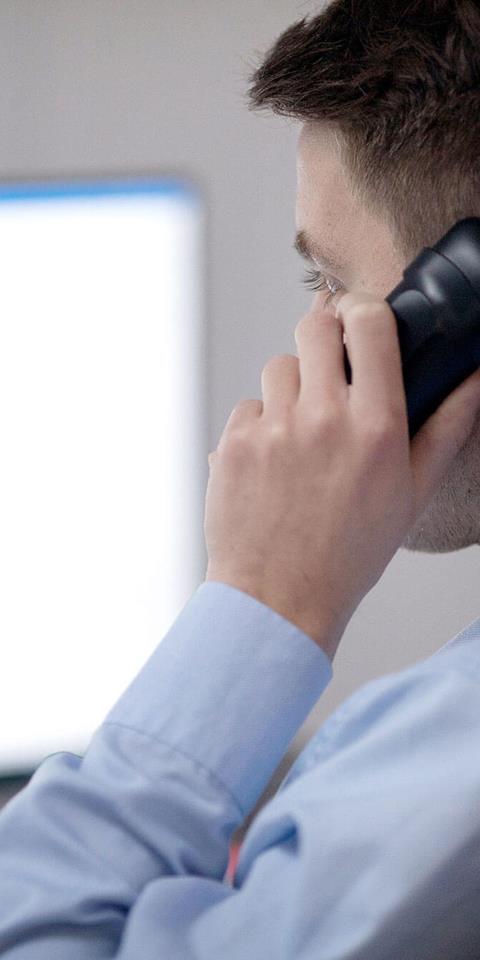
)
(398, 81)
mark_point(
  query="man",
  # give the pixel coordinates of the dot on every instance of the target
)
(371, 848)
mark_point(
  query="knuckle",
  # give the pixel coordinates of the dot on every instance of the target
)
(381, 432)
(238, 442)
(280, 360)
(323, 423)
(278, 434)
(366, 312)
(241, 420)
(247, 406)
(306, 326)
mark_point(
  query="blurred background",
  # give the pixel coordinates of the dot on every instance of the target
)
(115, 89)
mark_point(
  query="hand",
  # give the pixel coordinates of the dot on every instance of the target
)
(312, 491)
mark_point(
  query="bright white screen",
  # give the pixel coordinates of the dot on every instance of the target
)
(102, 447)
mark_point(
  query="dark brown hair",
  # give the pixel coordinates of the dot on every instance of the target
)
(399, 83)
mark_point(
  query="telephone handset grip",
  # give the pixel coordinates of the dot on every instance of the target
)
(437, 309)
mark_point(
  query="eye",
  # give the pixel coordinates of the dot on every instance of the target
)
(315, 280)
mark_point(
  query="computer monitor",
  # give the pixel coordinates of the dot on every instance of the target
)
(103, 444)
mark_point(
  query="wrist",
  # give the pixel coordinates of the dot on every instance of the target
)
(323, 628)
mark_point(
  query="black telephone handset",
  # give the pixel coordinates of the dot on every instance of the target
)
(437, 308)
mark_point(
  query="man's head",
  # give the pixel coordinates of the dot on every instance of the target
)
(388, 160)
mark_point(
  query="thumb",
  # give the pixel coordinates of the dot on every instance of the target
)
(442, 437)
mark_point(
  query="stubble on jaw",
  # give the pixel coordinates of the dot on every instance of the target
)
(451, 521)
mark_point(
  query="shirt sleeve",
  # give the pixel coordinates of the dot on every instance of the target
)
(119, 852)
(371, 852)
(371, 848)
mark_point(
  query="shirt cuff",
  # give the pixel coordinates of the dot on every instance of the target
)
(229, 686)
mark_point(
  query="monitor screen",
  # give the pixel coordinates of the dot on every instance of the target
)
(103, 445)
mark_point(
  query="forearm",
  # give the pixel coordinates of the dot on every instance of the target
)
(179, 763)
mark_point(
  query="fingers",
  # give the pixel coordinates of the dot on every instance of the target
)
(245, 409)
(319, 338)
(318, 376)
(280, 384)
(378, 390)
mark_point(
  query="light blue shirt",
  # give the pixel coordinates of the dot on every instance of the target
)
(370, 850)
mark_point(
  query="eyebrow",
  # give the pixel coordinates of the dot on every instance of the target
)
(313, 252)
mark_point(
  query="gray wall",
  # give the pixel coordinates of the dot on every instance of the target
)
(130, 85)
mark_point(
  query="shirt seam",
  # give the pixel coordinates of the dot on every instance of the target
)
(216, 781)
